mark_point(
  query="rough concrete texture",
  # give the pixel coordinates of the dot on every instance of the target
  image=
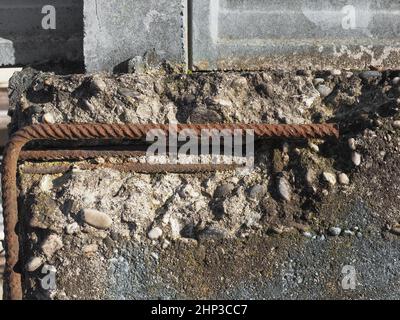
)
(119, 30)
(256, 34)
(23, 41)
(285, 229)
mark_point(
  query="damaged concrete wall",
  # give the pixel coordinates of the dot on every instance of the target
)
(285, 229)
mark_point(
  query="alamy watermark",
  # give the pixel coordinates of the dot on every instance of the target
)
(349, 19)
(349, 280)
(211, 146)
(48, 282)
(49, 20)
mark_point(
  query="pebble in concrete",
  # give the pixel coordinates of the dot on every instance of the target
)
(90, 248)
(46, 184)
(239, 83)
(330, 178)
(366, 75)
(396, 124)
(352, 144)
(313, 147)
(33, 264)
(344, 179)
(72, 228)
(223, 190)
(324, 90)
(348, 233)
(336, 72)
(256, 192)
(334, 231)
(48, 118)
(318, 81)
(356, 158)
(51, 245)
(310, 176)
(307, 234)
(284, 189)
(155, 233)
(96, 219)
(98, 85)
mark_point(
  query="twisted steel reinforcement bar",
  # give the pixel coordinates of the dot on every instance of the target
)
(13, 288)
(135, 167)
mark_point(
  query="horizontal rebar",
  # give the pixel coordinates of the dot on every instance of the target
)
(132, 167)
(13, 286)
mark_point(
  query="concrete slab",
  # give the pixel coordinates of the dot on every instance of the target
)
(254, 34)
(117, 30)
(7, 52)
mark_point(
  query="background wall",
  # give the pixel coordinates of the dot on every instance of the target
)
(205, 34)
(23, 40)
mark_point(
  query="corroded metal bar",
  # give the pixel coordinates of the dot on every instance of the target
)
(13, 288)
(132, 167)
(53, 155)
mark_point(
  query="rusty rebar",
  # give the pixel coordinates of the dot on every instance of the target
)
(54, 155)
(132, 167)
(13, 288)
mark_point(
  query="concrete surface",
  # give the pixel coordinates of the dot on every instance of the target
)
(237, 34)
(23, 40)
(7, 52)
(227, 234)
(118, 30)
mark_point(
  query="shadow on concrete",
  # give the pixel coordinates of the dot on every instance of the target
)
(25, 42)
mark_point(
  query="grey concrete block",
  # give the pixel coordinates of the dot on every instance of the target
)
(254, 34)
(23, 40)
(118, 30)
(7, 56)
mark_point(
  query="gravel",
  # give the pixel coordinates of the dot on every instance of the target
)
(343, 179)
(324, 90)
(34, 264)
(330, 178)
(51, 245)
(155, 233)
(367, 75)
(334, 231)
(223, 190)
(352, 144)
(356, 158)
(48, 118)
(96, 218)
(257, 192)
(284, 189)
